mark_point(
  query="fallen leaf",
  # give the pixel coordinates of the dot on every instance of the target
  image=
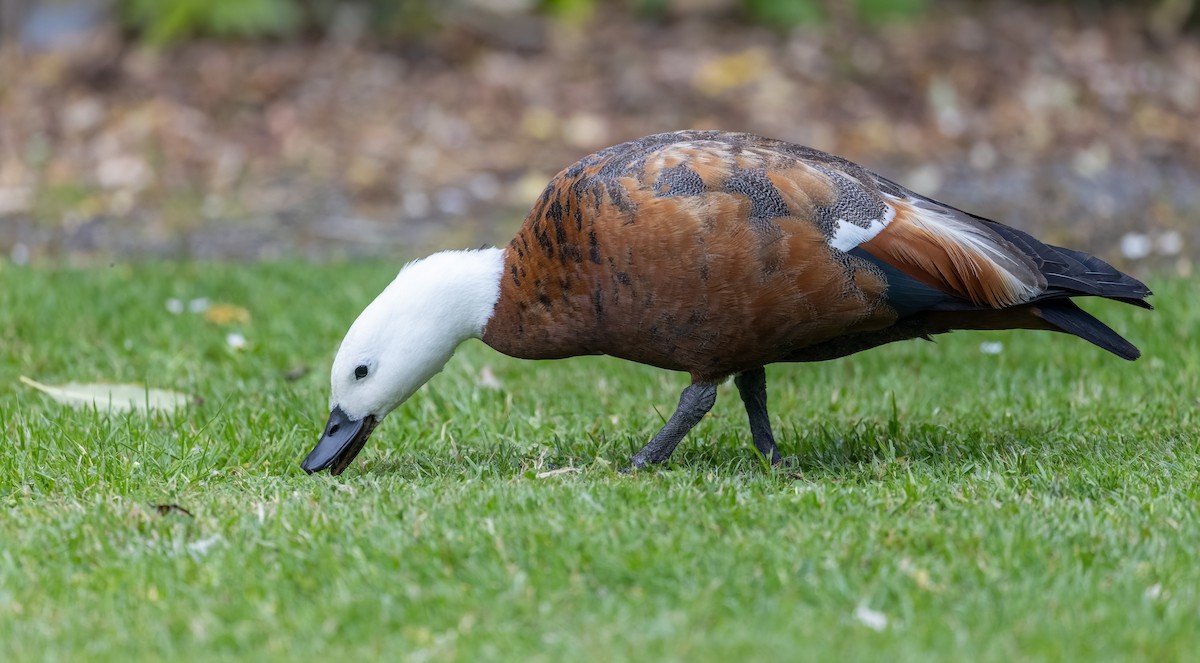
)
(114, 397)
(872, 619)
(539, 123)
(727, 72)
(556, 472)
(202, 546)
(296, 373)
(585, 130)
(235, 341)
(164, 509)
(487, 379)
(227, 314)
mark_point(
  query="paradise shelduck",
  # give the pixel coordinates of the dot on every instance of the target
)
(716, 254)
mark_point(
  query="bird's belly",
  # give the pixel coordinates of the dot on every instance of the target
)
(712, 345)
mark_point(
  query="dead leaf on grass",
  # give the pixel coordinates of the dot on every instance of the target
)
(227, 314)
(164, 509)
(556, 472)
(113, 397)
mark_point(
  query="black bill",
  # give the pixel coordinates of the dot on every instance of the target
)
(343, 439)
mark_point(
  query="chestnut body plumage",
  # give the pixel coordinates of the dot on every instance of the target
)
(716, 254)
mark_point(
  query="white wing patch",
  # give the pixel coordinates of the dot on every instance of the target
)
(849, 235)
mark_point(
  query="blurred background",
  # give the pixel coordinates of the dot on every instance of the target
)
(267, 129)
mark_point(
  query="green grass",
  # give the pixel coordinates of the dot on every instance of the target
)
(1037, 504)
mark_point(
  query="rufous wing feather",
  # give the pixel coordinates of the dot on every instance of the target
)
(956, 254)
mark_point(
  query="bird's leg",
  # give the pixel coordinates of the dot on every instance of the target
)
(752, 385)
(694, 403)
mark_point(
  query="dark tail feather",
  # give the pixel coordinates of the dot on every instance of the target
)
(1071, 273)
(1108, 281)
(1066, 316)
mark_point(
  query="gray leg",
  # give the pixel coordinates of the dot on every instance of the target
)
(694, 403)
(752, 385)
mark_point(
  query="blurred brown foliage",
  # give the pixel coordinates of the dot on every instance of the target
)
(1077, 123)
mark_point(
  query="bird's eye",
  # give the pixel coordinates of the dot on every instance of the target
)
(360, 372)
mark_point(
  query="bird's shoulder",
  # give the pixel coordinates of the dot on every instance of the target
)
(777, 178)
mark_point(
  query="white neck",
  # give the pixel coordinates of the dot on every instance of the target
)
(460, 287)
(479, 273)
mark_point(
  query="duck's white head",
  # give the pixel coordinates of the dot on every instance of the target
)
(402, 339)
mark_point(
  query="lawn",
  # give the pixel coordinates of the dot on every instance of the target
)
(946, 503)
